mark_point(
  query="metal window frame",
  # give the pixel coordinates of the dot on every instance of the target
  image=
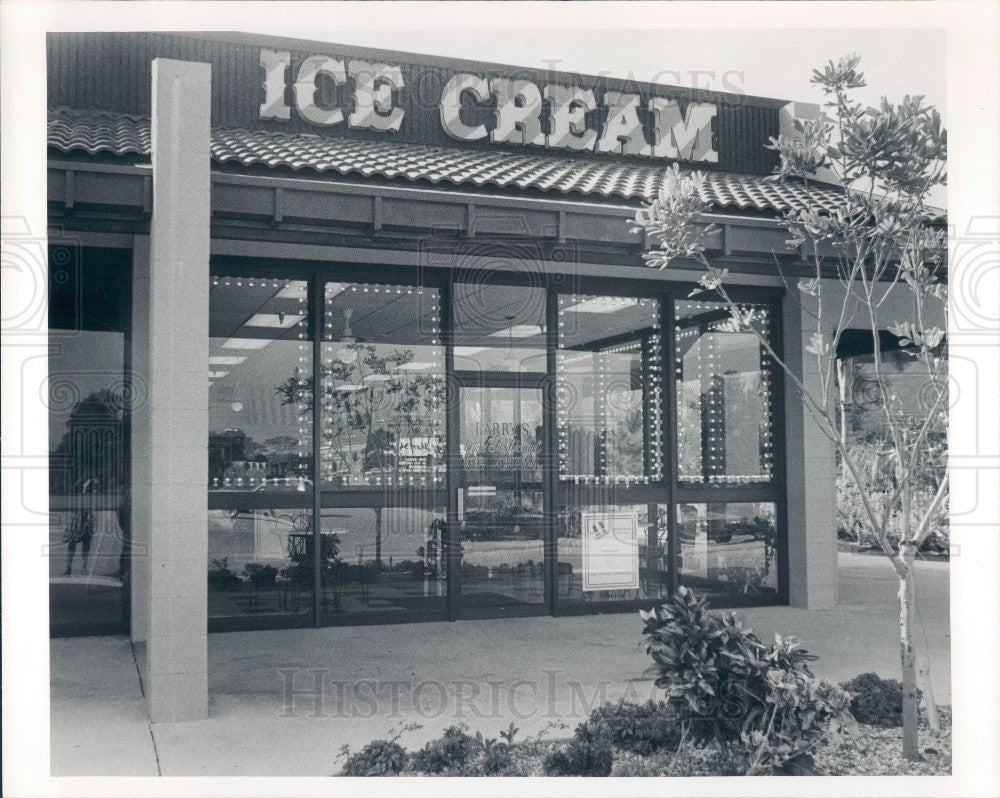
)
(667, 491)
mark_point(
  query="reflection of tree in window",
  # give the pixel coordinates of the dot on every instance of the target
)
(379, 418)
(92, 446)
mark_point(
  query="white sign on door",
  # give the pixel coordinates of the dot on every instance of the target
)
(610, 551)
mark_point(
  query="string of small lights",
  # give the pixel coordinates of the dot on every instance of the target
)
(607, 370)
(423, 464)
(709, 340)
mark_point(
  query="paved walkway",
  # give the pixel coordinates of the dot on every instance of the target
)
(268, 718)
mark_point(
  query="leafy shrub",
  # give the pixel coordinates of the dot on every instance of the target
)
(378, 758)
(640, 728)
(260, 575)
(875, 701)
(493, 761)
(727, 686)
(451, 752)
(221, 578)
(798, 714)
(580, 759)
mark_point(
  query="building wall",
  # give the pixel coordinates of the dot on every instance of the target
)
(812, 475)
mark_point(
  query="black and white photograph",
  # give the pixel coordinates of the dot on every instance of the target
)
(531, 391)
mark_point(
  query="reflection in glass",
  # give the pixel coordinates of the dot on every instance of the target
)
(728, 549)
(386, 559)
(502, 548)
(88, 393)
(501, 434)
(608, 378)
(255, 566)
(654, 575)
(382, 386)
(499, 327)
(259, 385)
(724, 425)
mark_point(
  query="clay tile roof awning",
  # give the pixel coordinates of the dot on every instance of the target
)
(97, 132)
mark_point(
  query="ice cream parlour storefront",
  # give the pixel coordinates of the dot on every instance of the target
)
(441, 382)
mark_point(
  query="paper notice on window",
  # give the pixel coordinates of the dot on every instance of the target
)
(610, 551)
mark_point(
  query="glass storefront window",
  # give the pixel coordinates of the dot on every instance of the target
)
(728, 549)
(581, 569)
(260, 381)
(724, 416)
(384, 559)
(503, 552)
(88, 391)
(608, 389)
(499, 327)
(501, 434)
(260, 563)
(383, 386)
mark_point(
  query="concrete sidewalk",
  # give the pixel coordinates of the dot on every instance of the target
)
(284, 702)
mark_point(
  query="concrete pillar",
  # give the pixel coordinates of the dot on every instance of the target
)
(813, 578)
(178, 392)
(141, 444)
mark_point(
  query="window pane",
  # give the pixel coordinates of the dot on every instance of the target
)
(384, 559)
(503, 553)
(608, 378)
(724, 424)
(582, 566)
(728, 549)
(383, 386)
(259, 563)
(260, 377)
(501, 435)
(88, 397)
(499, 327)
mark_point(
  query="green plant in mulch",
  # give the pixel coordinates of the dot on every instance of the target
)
(580, 759)
(450, 752)
(727, 687)
(378, 758)
(639, 728)
(875, 701)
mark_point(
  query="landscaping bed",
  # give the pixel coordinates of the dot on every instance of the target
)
(732, 705)
(862, 751)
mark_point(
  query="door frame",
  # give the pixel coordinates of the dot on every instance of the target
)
(457, 380)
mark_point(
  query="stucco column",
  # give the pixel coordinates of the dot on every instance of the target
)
(813, 578)
(178, 392)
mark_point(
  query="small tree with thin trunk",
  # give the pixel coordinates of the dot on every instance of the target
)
(881, 238)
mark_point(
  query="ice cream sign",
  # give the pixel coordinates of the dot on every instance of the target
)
(552, 116)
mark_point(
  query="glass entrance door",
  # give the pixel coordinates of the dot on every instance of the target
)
(501, 518)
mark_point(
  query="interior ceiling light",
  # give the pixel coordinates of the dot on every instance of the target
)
(415, 366)
(246, 343)
(348, 387)
(225, 360)
(377, 377)
(602, 304)
(281, 321)
(467, 351)
(216, 375)
(518, 331)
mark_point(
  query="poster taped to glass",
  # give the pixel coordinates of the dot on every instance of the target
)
(610, 551)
